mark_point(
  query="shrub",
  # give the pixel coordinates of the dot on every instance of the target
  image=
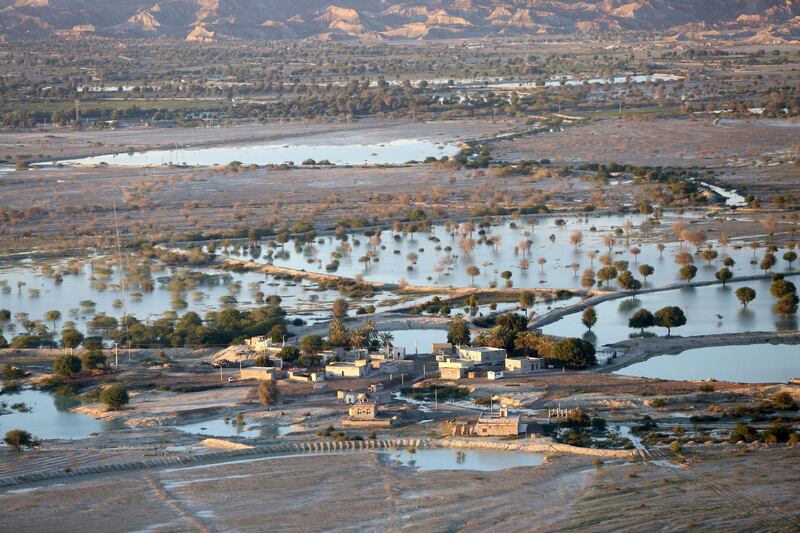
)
(67, 365)
(114, 397)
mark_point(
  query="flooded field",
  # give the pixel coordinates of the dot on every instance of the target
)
(388, 153)
(48, 417)
(534, 253)
(417, 341)
(709, 310)
(755, 363)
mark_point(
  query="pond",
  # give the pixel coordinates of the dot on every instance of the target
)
(50, 417)
(417, 341)
(443, 256)
(429, 459)
(753, 363)
(709, 310)
(229, 428)
(389, 153)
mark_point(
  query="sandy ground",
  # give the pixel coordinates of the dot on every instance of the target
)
(718, 488)
(312, 493)
(677, 142)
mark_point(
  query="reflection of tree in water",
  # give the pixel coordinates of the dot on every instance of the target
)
(590, 337)
(746, 316)
(787, 323)
(64, 403)
(461, 457)
(629, 304)
(645, 335)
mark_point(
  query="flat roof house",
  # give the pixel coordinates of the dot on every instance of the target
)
(264, 373)
(524, 365)
(499, 424)
(482, 354)
(343, 369)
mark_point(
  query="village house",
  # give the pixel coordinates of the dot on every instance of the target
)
(454, 369)
(443, 348)
(384, 367)
(364, 408)
(302, 375)
(524, 365)
(390, 353)
(347, 369)
(499, 424)
(262, 344)
(483, 355)
(263, 373)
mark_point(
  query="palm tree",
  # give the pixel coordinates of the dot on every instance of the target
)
(386, 339)
(370, 330)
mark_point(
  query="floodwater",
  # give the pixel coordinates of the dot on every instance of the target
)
(418, 340)
(754, 363)
(439, 258)
(709, 310)
(40, 294)
(229, 428)
(428, 459)
(388, 153)
(50, 417)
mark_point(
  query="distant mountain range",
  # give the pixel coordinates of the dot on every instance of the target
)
(376, 20)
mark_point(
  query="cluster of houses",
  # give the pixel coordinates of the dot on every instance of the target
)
(459, 362)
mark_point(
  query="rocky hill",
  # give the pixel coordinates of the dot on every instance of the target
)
(375, 20)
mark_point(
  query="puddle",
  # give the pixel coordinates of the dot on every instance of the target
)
(431, 459)
(222, 428)
(50, 418)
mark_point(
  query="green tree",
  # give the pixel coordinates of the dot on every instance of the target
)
(745, 295)
(786, 305)
(473, 271)
(641, 320)
(311, 344)
(790, 257)
(527, 299)
(573, 353)
(114, 397)
(67, 365)
(93, 359)
(687, 272)
(71, 338)
(782, 287)
(289, 354)
(627, 282)
(767, 262)
(606, 274)
(18, 438)
(589, 317)
(337, 334)
(670, 317)
(458, 333)
(724, 275)
(646, 270)
(53, 316)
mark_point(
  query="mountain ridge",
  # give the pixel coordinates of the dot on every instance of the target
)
(371, 20)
